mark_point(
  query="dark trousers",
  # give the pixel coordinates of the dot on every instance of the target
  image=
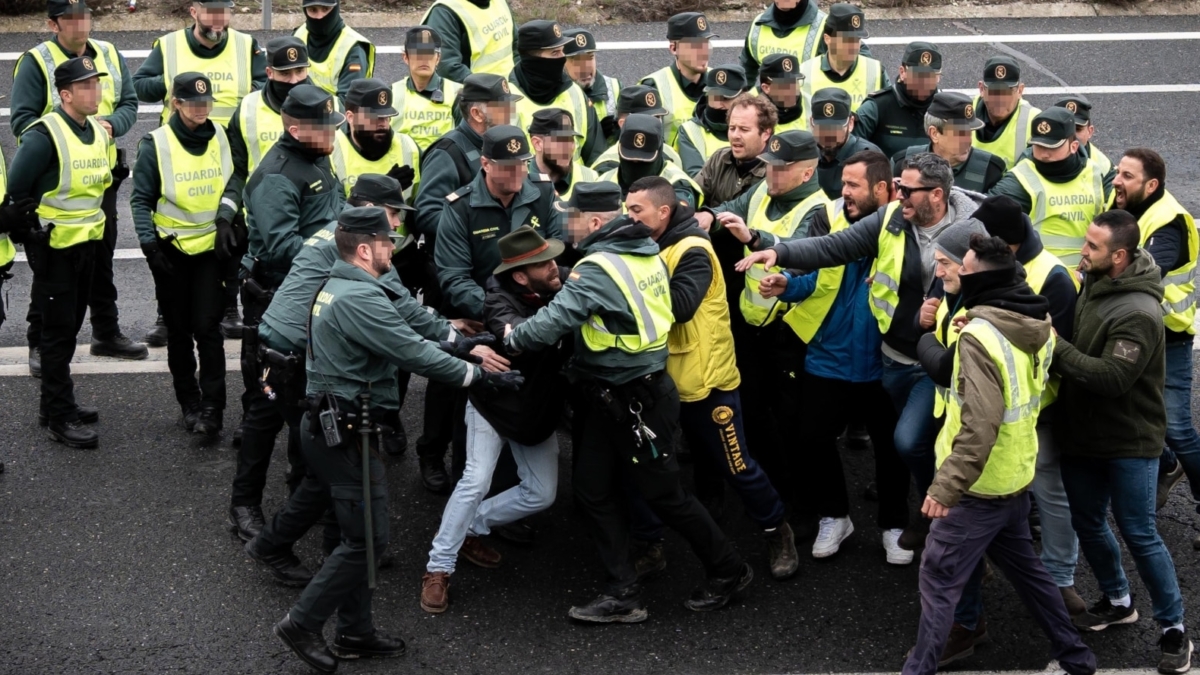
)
(608, 455)
(829, 405)
(192, 300)
(62, 284)
(341, 583)
(956, 544)
(231, 269)
(261, 424)
(305, 507)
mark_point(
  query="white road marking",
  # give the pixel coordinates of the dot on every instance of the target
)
(14, 361)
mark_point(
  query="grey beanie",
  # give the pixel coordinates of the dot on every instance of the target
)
(955, 241)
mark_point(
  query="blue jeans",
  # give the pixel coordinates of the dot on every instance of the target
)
(1182, 440)
(912, 394)
(537, 467)
(1130, 485)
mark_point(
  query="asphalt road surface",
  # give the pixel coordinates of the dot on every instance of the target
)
(118, 560)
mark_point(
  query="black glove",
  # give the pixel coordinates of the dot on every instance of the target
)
(157, 260)
(18, 217)
(512, 380)
(37, 245)
(404, 174)
(609, 127)
(121, 170)
(461, 348)
(227, 240)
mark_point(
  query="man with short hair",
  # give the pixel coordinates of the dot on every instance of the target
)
(602, 90)
(338, 54)
(732, 170)
(369, 144)
(641, 152)
(1007, 117)
(1081, 108)
(554, 137)
(779, 81)
(833, 126)
(708, 129)
(843, 65)
(681, 84)
(1111, 425)
(949, 122)
(424, 98)
(477, 37)
(894, 118)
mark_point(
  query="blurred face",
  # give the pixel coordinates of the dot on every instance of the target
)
(786, 4)
(365, 125)
(922, 205)
(1001, 102)
(211, 22)
(1044, 154)
(541, 278)
(746, 140)
(954, 141)
(504, 180)
(718, 102)
(581, 68)
(1130, 186)
(422, 64)
(1084, 133)
(947, 270)
(194, 113)
(83, 97)
(843, 49)
(783, 93)
(831, 137)
(1096, 256)
(691, 55)
(921, 85)
(72, 30)
(581, 224)
(783, 178)
(317, 12)
(377, 255)
(558, 149)
(316, 137)
(857, 192)
(289, 76)
(644, 211)
(497, 113)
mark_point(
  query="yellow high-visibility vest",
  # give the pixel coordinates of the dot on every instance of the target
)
(1179, 286)
(1014, 139)
(887, 270)
(757, 310)
(807, 316)
(490, 32)
(325, 74)
(230, 71)
(1062, 211)
(192, 186)
(48, 56)
(421, 119)
(866, 79)
(643, 281)
(84, 173)
(348, 164)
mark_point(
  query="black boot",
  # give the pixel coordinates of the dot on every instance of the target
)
(231, 323)
(434, 476)
(247, 521)
(35, 362)
(73, 435)
(119, 347)
(718, 591)
(191, 415)
(208, 423)
(374, 645)
(396, 442)
(157, 337)
(310, 647)
(84, 415)
(626, 607)
(285, 567)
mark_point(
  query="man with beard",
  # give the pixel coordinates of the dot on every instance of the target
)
(1007, 117)
(707, 130)
(636, 99)
(1060, 188)
(602, 90)
(640, 148)
(786, 27)
(338, 55)
(833, 125)
(477, 37)
(554, 138)
(1169, 235)
(368, 144)
(950, 122)
(681, 84)
(779, 81)
(230, 58)
(894, 118)
(1081, 108)
(424, 98)
(843, 65)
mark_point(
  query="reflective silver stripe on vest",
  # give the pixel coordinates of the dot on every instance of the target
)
(638, 299)
(1181, 278)
(873, 70)
(48, 63)
(1023, 111)
(61, 199)
(610, 102)
(1017, 412)
(167, 206)
(883, 305)
(817, 28)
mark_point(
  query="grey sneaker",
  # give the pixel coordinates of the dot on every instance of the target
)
(1104, 614)
(1176, 652)
(1167, 480)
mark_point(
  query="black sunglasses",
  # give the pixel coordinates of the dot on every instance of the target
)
(906, 191)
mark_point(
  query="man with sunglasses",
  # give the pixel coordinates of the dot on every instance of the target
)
(894, 118)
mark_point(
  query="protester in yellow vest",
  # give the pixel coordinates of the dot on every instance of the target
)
(708, 129)
(1007, 117)
(178, 180)
(424, 99)
(554, 137)
(230, 58)
(681, 84)
(65, 160)
(477, 37)
(338, 55)
(843, 65)
(641, 152)
(368, 144)
(1081, 108)
(602, 90)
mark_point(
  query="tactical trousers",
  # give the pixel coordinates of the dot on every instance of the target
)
(62, 284)
(231, 269)
(341, 583)
(609, 454)
(261, 425)
(305, 507)
(191, 299)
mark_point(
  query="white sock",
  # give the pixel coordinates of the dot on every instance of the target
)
(1123, 601)
(1178, 627)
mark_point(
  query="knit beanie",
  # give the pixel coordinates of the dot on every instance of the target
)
(1003, 217)
(955, 241)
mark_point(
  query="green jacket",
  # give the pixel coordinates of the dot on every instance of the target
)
(589, 291)
(455, 64)
(892, 120)
(148, 80)
(285, 321)
(291, 195)
(471, 225)
(29, 93)
(358, 341)
(1110, 403)
(778, 207)
(441, 175)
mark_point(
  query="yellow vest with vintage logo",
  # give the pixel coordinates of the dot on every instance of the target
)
(701, 354)
(48, 56)
(644, 282)
(230, 71)
(1062, 211)
(1014, 139)
(761, 40)
(192, 186)
(1179, 286)
(7, 250)
(679, 106)
(325, 74)
(757, 310)
(421, 119)
(807, 316)
(490, 32)
(866, 79)
(348, 164)
(886, 271)
(573, 100)
(85, 172)
(1010, 466)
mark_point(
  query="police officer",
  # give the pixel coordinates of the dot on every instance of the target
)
(1081, 108)
(65, 160)
(786, 27)
(637, 99)
(708, 129)
(1060, 188)
(424, 99)
(641, 151)
(554, 138)
(230, 58)
(953, 121)
(338, 54)
(779, 80)
(618, 299)
(368, 144)
(894, 118)
(178, 182)
(356, 341)
(1007, 117)
(833, 126)
(476, 38)
(601, 89)
(540, 77)
(681, 84)
(843, 65)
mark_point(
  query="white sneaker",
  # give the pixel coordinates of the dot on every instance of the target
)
(895, 554)
(833, 531)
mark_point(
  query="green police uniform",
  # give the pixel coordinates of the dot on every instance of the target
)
(831, 106)
(425, 116)
(980, 173)
(891, 118)
(475, 39)
(33, 92)
(768, 35)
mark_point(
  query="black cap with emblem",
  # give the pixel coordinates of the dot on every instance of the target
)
(540, 34)
(365, 220)
(422, 39)
(1052, 127)
(191, 87)
(922, 57)
(57, 8)
(553, 122)
(790, 146)
(1001, 72)
(846, 21)
(727, 81)
(780, 67)
(831, 106)
(688, 26)
(506, 144)
(487, 88)
(287, 53)
(312, 104)
(640, 99)
(958, 110)
(371, 96)
(582, 42)
(319, 3)
(641, 138)
(604, 197)
(75, 70)
(213, 4)
(379, 190)
(1078, 106)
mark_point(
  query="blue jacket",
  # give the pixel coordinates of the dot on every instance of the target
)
(848, 344)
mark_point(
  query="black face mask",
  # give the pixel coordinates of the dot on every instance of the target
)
(628, 172)
(789, 114)
(1063, 168)
(370, 147)
(323, 33)
(280, 90)
(716, 118)
(790, 17)
(542, 79)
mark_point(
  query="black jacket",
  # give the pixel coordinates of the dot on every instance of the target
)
(694, 274)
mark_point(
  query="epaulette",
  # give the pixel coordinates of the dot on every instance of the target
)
(459, 193)
(540, 177)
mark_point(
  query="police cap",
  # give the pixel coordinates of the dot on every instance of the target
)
(422, 39)
(319, 3)
(641, 138)
(312, 104)
(287, 53)
(846, 21)
(487, 88)
(74, 70)
(831, 106)
(790, 146)
(780, 67)
(582, 42)
(922, 57)
(1052, 127)
(371, 96)
(1001, 72)
(601, 197)
(727, 81)
(957, 109)
(506, 144)
(688, 26)
(365, 220)
(192, 87)
(640, 99)
(212, 4)
(57, 8)
(379, 190)
(540, 34)
(554, 122)
(1078, 106)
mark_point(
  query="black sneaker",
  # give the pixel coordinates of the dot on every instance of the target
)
(157, 337)
(1176, 652)
(231, 323)
(119, 347)
(84, 415)
(73, 435)
(1104, 614)
(715, 593)
(611, 609)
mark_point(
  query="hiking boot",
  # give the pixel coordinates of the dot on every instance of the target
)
(781, 552)
(1176, 652)
(962, 642)
(435, 592)
(119, 347)
(623, 608)
(650, 559)
(157, 336)
(1167, 480)
(479, 553)
(833, 531)
(1104, 614)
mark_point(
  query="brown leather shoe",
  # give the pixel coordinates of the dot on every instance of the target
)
(1075, 604)
(962, 642)
(479, 553)
(435, 592)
